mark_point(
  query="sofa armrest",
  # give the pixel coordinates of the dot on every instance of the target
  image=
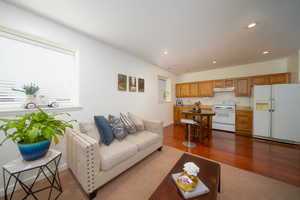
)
(83, 158)
(154, 126)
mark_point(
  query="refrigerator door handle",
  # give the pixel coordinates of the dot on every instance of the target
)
(272, 105)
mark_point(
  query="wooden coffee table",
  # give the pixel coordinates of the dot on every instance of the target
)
(210, 173)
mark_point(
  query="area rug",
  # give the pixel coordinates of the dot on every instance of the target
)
(140, 181)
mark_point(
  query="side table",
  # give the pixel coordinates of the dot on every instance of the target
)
(17, 167)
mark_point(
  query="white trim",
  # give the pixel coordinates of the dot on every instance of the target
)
(29, 180)
(35, 39)
(16, 111)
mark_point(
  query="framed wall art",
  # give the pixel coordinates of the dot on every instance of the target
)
(141, 85)
(132, 84)
(122, 82)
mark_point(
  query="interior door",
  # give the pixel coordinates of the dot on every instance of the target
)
(261, 113)
(286, 115)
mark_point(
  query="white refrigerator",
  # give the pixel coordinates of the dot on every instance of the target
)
(276, 113)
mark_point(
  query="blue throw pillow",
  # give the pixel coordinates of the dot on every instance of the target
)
(104, 129)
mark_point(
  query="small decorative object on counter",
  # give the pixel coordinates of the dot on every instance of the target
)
(197, 106)
(31, 95)
(188, 179)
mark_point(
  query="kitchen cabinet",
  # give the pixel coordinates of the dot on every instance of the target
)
(219, 83)
(260, 80)
(229, 83)
(242, 87)
(206, 89)
(185, 90)
(280, 78)
(194, 89)
(178, 93)
(244, 122)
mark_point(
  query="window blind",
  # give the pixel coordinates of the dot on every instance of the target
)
(24, 60)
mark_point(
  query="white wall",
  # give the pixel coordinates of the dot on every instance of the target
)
(99, 66)
(269, 67)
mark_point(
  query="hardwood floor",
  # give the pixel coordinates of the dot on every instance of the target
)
(277, 160)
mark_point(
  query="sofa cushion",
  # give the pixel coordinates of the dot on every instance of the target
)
(90, 129)
(143, 139)
(104, 129)
(138, 121)
(117, 126)
(115, 153)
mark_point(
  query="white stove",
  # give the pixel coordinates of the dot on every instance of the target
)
(224, 118)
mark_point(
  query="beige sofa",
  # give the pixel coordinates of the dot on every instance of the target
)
(95, 164)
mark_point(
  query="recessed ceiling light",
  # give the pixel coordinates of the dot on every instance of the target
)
(265, 52)
(165, 52)
(214, 62)
(252, 25)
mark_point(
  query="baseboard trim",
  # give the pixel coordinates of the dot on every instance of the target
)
(61, 167)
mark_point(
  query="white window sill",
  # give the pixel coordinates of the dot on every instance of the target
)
(17, 111)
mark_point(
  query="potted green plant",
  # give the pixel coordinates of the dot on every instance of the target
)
(34, 132)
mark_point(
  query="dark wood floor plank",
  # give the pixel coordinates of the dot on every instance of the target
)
(276, 160)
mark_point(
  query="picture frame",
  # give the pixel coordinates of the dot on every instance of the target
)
(141, 85)
(122, 82)
(132, 84)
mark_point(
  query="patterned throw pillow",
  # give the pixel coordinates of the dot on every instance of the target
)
(139, 123)
(129, 125)
(118, 128)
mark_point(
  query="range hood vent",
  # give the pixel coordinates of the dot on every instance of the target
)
(229, 89)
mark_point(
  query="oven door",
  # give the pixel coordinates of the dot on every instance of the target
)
(224, 115)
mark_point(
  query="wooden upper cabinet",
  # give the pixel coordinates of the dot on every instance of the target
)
(178, 86)
(242, 87)
(219, 83)
(260, 80)
(280, 78)
(206, 88)
(229, 83)
(185, 90)
(194, 89)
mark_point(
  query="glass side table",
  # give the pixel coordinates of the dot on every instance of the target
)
(48, 166)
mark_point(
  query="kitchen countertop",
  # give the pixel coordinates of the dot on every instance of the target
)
(244, 108)
(202, 106)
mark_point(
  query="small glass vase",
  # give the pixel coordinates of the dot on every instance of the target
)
(187, 187)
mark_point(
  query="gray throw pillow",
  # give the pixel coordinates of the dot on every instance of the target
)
(129, 125)
(118, 128)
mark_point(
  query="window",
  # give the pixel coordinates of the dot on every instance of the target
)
(164, 89)
(26, 59)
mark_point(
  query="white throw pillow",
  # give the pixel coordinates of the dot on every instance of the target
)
(90, 129)
(138, 121)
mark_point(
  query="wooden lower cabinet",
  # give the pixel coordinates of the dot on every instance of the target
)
(244, 122)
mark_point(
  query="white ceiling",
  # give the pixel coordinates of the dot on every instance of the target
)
(194, 32)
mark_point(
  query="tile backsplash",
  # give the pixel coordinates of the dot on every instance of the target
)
(222, 97)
